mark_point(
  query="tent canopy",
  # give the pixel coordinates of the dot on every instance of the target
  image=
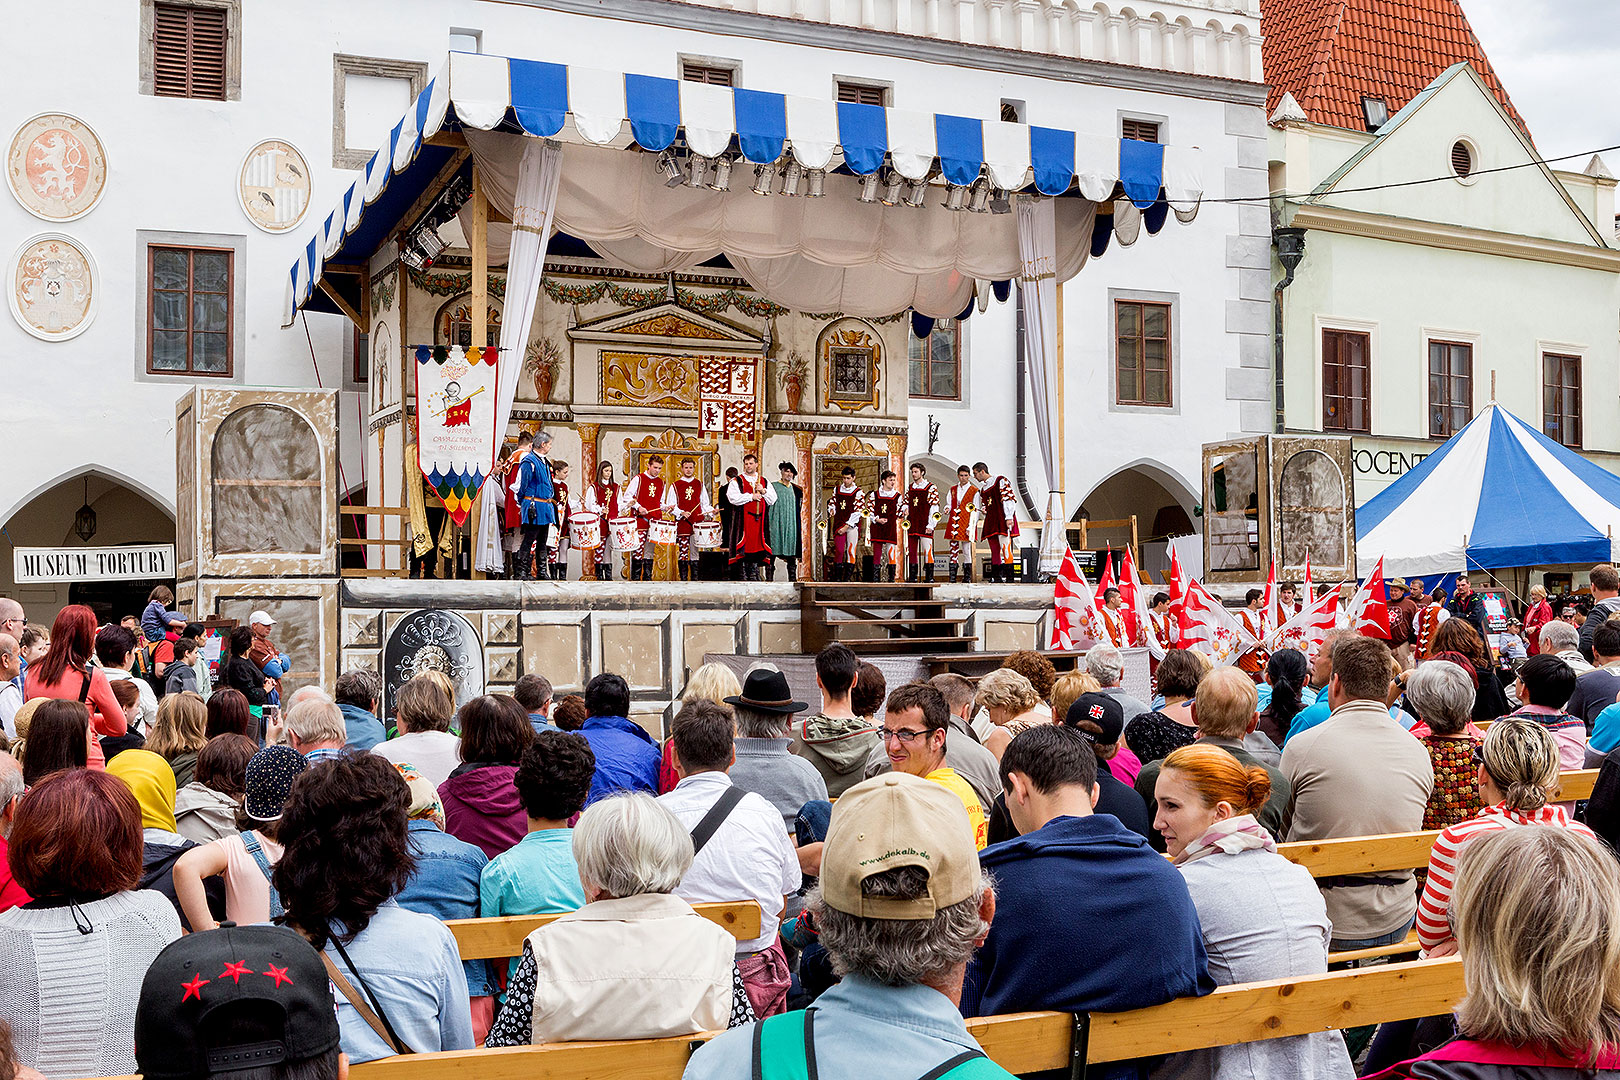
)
(831, 253)
(1501, 494)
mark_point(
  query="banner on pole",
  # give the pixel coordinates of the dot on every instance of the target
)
(456, 435)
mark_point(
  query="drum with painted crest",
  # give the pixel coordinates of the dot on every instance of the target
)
(661, 532)
(706, 535)
(585, 530)
(624, 533)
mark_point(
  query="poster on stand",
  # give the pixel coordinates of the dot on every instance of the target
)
(455, 422)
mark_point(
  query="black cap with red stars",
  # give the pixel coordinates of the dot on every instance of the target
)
(236, 998)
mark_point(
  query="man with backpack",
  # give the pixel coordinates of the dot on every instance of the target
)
(901, 906)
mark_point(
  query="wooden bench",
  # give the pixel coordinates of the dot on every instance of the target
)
(1022, 1042)
(501, 938)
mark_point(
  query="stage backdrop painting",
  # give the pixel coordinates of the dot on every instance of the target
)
(433, 640)
(455, 422)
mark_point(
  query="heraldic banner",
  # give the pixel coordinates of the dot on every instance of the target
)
(455, 422)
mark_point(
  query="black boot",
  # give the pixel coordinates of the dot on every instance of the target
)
(888, 573)
(954, 571)
(793, 569)
(559, 571)
(967, 572)
(929, 568)
(604, 571)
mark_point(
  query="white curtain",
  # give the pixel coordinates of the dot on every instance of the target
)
(833, 253)
(1037, 283)
(532, 203)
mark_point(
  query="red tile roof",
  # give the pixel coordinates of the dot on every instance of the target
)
(1329, 53)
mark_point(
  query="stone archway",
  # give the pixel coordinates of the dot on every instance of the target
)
(125, 514)
(1161, 502)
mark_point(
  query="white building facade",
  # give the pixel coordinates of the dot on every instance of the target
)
(1444, 268)
(196, 183)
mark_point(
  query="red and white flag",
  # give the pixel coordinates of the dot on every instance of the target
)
(1106, 581)
(1178, 584)
(1368, 611)
(1074, 607)
(1133, 600)
(1271, 615)
(1207, 626)
(1310, 590)
(1306, 630)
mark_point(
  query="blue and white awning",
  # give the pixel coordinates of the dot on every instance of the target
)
(595, 108)
(1498, 493)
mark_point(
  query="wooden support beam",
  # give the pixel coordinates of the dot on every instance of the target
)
(480, 261)
(343, 305)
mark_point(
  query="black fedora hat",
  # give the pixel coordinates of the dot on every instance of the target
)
(766, 690)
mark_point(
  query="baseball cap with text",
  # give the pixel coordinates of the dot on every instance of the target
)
(897, 820)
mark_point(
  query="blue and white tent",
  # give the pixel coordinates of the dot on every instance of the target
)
(1498, 493)
(851, 253)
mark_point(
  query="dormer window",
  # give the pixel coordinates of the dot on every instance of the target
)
(1375, 110)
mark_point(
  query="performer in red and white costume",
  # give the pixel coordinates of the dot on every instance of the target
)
(1427, 622)
(883, 517)
(687, 501)
(565, 508)
(512, 510)
(1160, 634)
(750, 493)
(922, 518)
(962, 509)
(999, 520)
(1253, 662)
(644, 501)
(601, 499)
(1114, 620)
(844, 512)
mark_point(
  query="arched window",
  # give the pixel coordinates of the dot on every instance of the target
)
(267, 495)
(1311, 510)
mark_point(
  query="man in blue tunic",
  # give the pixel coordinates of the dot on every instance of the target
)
(536, 504)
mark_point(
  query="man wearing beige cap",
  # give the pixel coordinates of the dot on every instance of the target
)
(900, 908)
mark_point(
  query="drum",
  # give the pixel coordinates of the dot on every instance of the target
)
(625, 536)
(585, 530)
(661, 532)
(706, 535)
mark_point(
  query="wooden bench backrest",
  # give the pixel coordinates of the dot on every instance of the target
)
(1023, 1042)
(496, 939)
(1397, 851)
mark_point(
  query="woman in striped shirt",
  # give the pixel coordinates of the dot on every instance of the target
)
(1518, 779)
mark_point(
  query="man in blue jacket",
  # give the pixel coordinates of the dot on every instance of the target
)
(626, 756)
(536, 499)
(1081, 887)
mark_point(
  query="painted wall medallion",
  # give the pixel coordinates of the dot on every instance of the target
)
(56, 167)
(274, 186)
(433, 640)
(53, 287)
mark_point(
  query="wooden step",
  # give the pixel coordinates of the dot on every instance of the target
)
(890, 644)
(896, 620)
(880, 602)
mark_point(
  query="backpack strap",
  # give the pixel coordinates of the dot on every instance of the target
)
(785, 1047)
(250, 840)
(716, 817)
(968, 1065)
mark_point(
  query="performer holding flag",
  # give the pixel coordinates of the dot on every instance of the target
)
(1133, 599)
(1074, 607)
(922, 518)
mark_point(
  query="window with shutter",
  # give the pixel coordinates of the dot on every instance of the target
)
(1140, 130)
(188, 51)
(862, 94)
(189, 329)
(707, 73)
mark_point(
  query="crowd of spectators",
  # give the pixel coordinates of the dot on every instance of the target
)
(919, 855)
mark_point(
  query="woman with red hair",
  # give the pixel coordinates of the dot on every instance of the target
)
(72, 961)
(1262, 917)
(66, 674)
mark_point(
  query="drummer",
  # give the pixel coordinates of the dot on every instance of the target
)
(687, 501)
(644, 501)
(601, 499)
(565, 511)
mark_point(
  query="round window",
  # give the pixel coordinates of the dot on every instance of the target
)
(1462, 160)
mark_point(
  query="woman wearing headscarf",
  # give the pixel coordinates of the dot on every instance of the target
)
(151, 781)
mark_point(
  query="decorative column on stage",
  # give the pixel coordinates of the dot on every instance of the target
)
(803, 441)
(587, 477)
(897, 456)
